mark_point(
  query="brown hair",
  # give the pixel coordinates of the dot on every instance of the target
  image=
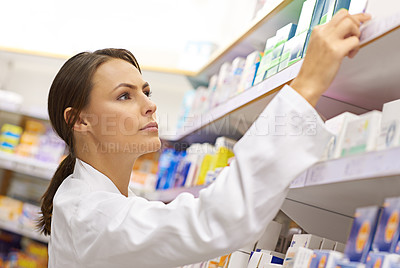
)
(71, 88)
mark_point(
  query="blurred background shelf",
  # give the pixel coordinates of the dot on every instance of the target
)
(15, 228)
(28, 166)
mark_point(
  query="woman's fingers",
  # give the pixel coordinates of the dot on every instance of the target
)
(329, 44)
(349, 45)
(347, 28)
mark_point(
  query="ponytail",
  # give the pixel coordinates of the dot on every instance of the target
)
(65, 168)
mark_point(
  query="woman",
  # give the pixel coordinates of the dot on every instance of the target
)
(99, 105)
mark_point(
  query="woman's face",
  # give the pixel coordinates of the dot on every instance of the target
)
(120, 113)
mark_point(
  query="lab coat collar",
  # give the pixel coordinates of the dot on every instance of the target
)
(95, 179)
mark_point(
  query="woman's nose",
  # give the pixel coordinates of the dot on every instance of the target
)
(149, 107)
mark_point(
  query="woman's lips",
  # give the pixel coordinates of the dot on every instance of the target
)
(152, 126)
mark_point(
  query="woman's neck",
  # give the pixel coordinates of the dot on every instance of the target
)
(116, 166)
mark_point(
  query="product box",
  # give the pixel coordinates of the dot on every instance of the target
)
(340, 247)
(315, 20)
(390, 125)
(238, 259)
(327, 12)
(223, 80)
(223, 151)
(361, 134)
(9, 137)
(381, 260)
(29, 216)
(293, 51)
(255, 259)
(327, 244)
(270, 257)
(387, 232)
(357, 6)
(300, 241)
(348, 264)
(236, 74)
(362, 233)
(265, 61)
(301, 259)
(305, 17)
(325, 259)
(250, 70)
(342, 4)
(336, 126)
(270, 237)
(283, 35)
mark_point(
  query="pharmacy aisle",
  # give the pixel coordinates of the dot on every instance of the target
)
(339, 200)
(341, 212)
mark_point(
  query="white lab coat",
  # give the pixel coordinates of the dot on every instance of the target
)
(94, 225)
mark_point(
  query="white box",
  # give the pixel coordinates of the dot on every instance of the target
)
(238, 260)
(302, 258)
(339, 247)
(255, 259)
(390, 125)
(305, 16)
(327, 244)
(336, 126)
(270, 237)
(361, 134)
(267, 257)
(300, 241)
(357, 6)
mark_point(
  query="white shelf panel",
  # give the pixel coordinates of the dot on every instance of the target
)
(19, 229)
(343, 184)
(28, 166)
(31, 112)
(363, 83)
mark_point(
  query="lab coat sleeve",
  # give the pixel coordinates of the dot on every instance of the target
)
(287, 138)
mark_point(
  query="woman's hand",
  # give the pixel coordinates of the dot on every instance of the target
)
(329, 44)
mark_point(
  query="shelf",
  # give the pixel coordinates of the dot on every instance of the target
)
(18, 229)
(253, 35)
(62, 57)
(363, 83)
(323, 199)
(28, 166)
(30, 112)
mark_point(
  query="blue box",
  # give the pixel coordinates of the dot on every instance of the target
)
(324, 259)
(387, 232)
(341, 4)
(362, 233)
(381, 260)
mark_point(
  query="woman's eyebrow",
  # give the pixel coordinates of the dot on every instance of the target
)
(131, 86)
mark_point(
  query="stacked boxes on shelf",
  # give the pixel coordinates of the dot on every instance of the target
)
(373, 243)
(285, 48)
(36, 140)
(198, 165)
(355, 134)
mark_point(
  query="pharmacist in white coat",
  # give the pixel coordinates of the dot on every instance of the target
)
(99, 105)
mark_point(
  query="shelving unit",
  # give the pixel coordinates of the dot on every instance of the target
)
(28, 166)
(34, 113)
(354, 89)
(322, 200)
(18, 229)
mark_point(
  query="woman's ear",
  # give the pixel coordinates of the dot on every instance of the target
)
(80, 125)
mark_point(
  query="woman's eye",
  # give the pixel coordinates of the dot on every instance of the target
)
(124, 96)
(147, 93)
